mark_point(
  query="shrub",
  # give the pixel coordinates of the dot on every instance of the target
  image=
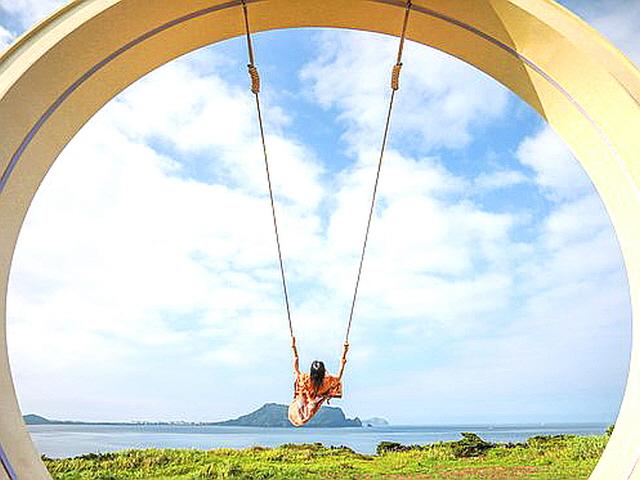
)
(386, 447)
(97, 456)
(471, 445)
(549, 441)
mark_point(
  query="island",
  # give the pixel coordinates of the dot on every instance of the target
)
(274, 415)
(375, 422)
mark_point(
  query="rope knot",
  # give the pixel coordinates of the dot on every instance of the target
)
(395, 76)
(255, 78)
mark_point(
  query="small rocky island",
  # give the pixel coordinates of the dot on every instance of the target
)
(375, 422)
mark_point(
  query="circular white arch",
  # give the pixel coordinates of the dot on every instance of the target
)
(54, 78)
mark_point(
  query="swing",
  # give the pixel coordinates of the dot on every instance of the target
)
(312, 390)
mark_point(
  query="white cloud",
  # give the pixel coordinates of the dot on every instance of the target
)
(428, 245)
(439, 102)
(557, 172)
(6, 38)
(573, 222)
(499, 179)
(212, 119)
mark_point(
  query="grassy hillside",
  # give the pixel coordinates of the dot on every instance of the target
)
(557, 458)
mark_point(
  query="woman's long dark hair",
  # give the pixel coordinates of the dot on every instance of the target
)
(317, 374)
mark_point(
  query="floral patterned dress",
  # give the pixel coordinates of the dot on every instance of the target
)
(307, 401)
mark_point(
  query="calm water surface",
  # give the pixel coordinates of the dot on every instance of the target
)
(58, 441)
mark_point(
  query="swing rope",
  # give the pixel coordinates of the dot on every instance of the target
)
(255, 88)
(395, 85)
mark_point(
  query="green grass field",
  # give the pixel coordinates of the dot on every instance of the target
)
(560, 457)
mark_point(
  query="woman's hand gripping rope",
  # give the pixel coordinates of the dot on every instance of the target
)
(296, 358)
(343, 360)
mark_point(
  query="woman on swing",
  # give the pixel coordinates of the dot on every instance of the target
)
(312, 389)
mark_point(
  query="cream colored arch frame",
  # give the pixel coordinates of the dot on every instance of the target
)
(61, 72)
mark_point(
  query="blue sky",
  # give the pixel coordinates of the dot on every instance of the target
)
(145, 283)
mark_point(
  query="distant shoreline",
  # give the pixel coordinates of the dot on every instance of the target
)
(178, 423)
(496, 426)
(270, 415)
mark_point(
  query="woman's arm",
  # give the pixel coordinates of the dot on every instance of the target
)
(296, 359)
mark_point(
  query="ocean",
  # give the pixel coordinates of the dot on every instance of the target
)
(59, 441)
